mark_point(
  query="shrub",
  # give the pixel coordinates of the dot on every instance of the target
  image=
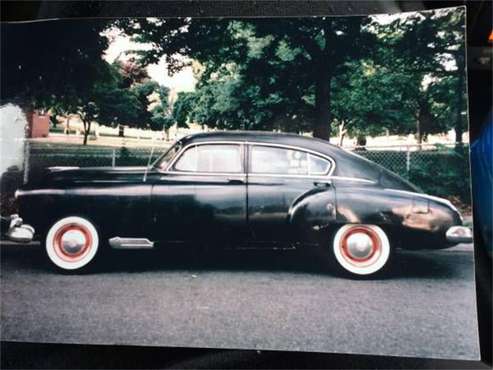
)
(444, 173)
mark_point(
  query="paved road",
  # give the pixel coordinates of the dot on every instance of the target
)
(255, 300)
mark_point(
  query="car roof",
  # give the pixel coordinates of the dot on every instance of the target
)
(321, 146)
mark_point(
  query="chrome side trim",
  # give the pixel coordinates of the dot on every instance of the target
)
(356, 179)
(243, 176)
(40, 192)
(184, 173)
(62, 168)
(130, 243)
(425, 196)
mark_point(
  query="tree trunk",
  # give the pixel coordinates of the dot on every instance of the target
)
(67, 126)
(87, 129)
(321, 127)
(361, 142)
(418, 130)
(342, 133)
(460, 96)
(424, 122)
(458, 118)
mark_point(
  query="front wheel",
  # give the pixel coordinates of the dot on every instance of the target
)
(72, 243)
(361, 250)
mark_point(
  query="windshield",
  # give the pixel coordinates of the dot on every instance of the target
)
(163, 161)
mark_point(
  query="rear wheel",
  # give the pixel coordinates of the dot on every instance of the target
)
(72, 243)
(361, 250)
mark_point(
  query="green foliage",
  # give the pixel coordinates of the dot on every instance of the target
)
(161, 118)
(116, 104)
(297, 74)
(443, 173)
(257, 71)
(291, 74)
(369, 100)
(48, 62)
(182, 108)
(142, 92)
(429, 47)
(132, 72)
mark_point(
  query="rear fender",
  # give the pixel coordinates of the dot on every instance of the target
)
(312, 212)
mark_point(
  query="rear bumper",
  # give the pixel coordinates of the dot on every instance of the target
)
(459, 234)
(19, 232)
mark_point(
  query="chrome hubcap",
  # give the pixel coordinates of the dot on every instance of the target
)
(359, 245)
(73, 241)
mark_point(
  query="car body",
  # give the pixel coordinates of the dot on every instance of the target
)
(240, 189)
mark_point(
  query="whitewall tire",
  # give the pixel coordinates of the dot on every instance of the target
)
(72, 243)
(361, 249)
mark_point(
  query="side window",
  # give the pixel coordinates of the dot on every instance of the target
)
(317, 165)
(210, 158)
(281, 161)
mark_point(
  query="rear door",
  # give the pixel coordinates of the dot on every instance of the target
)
(278, 177)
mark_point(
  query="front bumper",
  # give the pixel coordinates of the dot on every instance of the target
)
(19, 232)
(459, 234)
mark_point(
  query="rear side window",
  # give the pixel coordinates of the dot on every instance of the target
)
(317, 165)
(284, 161)
(212, 158)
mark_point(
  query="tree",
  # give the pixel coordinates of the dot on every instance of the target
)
(369, 100)
(298, 55)
(431, 47)
(132, 72)
(40, 67)
(142, 92)
(88, 112)
(182, 108)
(404, 85)
(162, 118)
(108, 101)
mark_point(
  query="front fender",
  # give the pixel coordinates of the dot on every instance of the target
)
(117, 209)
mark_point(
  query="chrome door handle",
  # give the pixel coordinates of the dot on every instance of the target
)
(322, 184)
(235, 181)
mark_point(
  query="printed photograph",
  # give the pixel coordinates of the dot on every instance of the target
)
(294, 184)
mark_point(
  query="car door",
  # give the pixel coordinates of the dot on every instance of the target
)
(278, 178)
(202, 196)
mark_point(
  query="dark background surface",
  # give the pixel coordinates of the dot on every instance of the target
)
(30, 355)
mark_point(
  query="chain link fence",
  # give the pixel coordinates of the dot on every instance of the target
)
(441, 170)
(403, 159)
(42, 155)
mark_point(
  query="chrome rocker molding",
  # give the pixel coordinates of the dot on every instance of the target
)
(19, 232)
(459, 234)
(130, 243)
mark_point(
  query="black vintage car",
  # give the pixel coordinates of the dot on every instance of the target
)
(241, 189)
